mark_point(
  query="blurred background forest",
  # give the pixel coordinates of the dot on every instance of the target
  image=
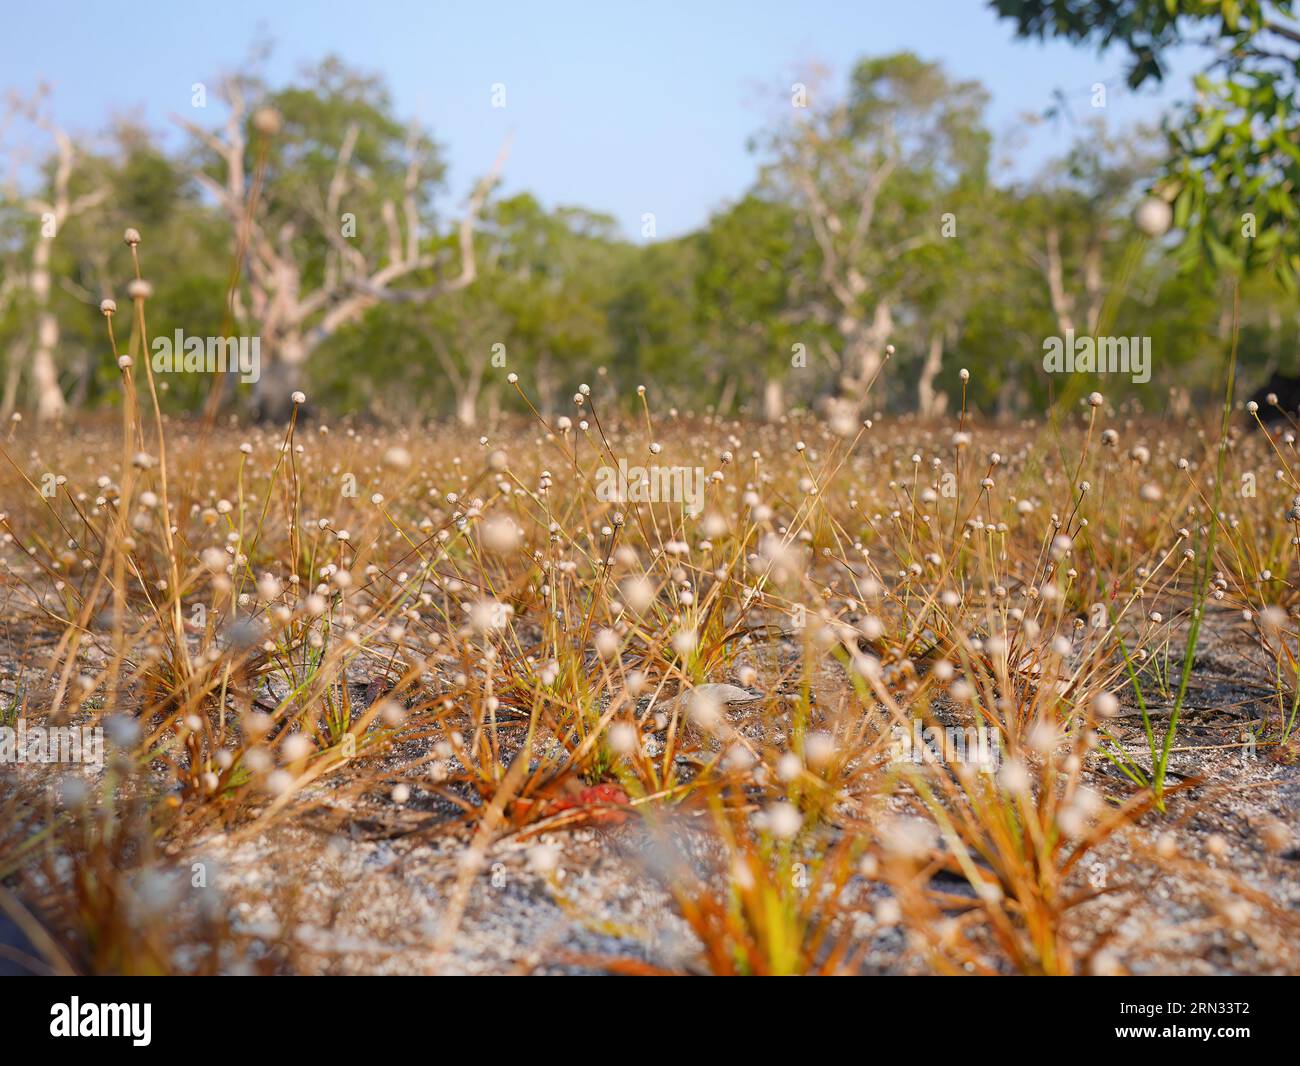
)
(302, 214)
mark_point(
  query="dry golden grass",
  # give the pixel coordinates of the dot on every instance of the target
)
(262, 616)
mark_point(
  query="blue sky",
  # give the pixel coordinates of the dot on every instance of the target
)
(620, 107)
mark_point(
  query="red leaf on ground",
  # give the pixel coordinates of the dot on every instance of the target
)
(604, 795)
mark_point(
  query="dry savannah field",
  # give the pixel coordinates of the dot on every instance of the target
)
(673, 489)
(882, 696)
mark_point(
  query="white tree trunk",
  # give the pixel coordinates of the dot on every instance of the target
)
(50, 405)
(773, 400)
(281, 375)
(467, 408)
(728, 395)
(17, 357)
(1062, 300)
(931, 404)
(864, 351)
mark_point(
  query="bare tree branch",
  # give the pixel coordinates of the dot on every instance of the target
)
(468, 263)
(292, 318)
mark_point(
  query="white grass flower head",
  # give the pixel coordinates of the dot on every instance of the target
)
(713, 525)
(782, 820)
(72, 790)
(267, 121)
(685, 641)
(296, 746)
(908, 838)
(638, 591)
(543, 859)
(1075, 816)
(789, 767)
(1106, 705)
(1153, 216)
(738, 758)
(783, 560)
(488, 615)
(1044, 736)
(1014, 777)
(122, 731)
(606, 642)
(397, 457)
(279, 782)
(870, 667)
(1238, 912)
(622, 738)
(705, 710)
(842, 420)
(500, 534)
(741, 875)
(819, 749)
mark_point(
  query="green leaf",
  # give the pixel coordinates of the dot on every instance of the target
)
(1183, 208)
(1221, 255)
(1213, 133)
